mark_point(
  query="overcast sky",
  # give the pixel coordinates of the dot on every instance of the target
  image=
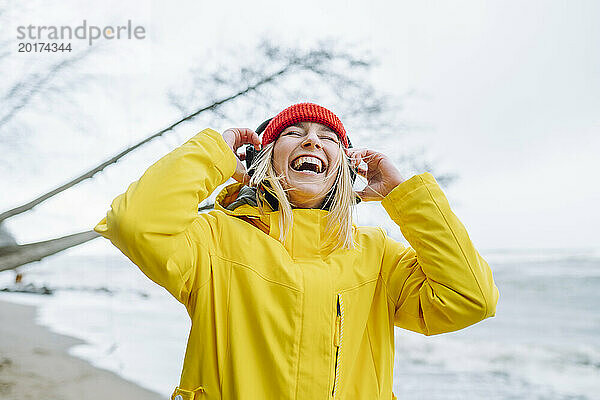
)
(504, 94)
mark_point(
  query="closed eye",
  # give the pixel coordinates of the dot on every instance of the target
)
(330, 138)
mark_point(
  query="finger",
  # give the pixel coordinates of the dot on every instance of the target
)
(229, 136)
(362, 154)
(246, 179)
(353, 161)
(250, 137)
(353, 157)
(237, 137)
(240, 173)
(366, 155)
(256, 140)
(241, 177)
(371, 158)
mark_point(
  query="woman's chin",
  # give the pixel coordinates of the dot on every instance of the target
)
(307, 194)
(307, 187)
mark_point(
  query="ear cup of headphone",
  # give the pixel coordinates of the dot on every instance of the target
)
(251, 152)
(352, 170)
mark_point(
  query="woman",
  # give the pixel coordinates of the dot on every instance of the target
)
(288, 298)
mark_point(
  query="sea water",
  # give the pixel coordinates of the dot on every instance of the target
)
(543, 343)
(131, 326)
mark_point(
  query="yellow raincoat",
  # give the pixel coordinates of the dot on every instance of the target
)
(294, 320)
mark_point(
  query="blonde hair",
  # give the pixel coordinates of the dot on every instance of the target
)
(340, 217)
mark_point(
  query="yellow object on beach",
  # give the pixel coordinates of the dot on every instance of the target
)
(294, 320)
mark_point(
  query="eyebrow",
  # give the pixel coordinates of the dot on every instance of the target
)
(302, 125)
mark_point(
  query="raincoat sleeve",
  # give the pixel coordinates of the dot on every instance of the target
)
(150, 223)
(441, 283)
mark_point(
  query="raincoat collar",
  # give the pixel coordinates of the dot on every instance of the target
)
(308, 236)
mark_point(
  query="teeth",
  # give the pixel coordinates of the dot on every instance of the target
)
(308, 159)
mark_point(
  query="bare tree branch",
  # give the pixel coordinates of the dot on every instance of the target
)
(14, 256)
(114, 159)
(23, 91)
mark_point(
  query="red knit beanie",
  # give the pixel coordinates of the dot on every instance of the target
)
(303, 112)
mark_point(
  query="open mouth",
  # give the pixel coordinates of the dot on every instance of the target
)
(308, 164)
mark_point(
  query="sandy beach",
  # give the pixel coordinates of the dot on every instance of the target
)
(34, 364)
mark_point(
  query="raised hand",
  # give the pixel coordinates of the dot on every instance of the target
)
(381, 174)
(236, 138)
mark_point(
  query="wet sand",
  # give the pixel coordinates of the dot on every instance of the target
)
(34, 364)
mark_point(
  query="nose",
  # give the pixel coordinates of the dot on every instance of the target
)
(311, 140)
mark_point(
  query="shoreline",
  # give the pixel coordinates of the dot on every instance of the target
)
(34, 363)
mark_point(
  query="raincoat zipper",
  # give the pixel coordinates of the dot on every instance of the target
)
(337, 341)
